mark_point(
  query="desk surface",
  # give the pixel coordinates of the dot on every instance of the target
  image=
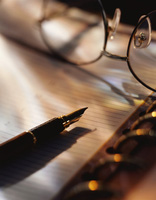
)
(36, 87)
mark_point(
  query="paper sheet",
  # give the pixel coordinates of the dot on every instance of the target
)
(35, 88)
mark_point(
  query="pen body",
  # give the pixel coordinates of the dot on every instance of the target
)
(48, 129)
(14, 146)
(40, 133)
(26, 140)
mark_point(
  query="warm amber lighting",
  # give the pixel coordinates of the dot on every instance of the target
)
(117, 157)
(93, 185)
(154, 114)
(139, 131)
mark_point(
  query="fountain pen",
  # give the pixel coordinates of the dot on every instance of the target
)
(43, 132)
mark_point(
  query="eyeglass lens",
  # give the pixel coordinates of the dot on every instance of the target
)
(142, 51)
(79, 35)
(74, 33)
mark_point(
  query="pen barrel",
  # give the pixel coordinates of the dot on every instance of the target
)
(16, 145)
(26, 140)
(48, 130)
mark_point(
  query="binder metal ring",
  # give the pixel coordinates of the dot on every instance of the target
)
(139, 134)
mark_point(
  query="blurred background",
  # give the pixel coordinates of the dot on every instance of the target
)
(131, 10)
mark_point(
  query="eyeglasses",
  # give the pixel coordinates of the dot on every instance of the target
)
(81, 36)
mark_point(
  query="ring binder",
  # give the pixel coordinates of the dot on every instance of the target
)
(152, 107)
(149, 117)
(141, 132)
(92, 190)
(105, 169)
(139, 135)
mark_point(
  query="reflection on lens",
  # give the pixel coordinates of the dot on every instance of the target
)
(142, 51)
(75, 33)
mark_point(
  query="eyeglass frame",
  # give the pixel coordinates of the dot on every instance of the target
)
(107, 30)
(123, 58)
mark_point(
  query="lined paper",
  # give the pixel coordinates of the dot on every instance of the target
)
(36, 88)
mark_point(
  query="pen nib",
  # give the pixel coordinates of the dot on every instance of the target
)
(73, 117)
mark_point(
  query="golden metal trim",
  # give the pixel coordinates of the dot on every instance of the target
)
(34, 137)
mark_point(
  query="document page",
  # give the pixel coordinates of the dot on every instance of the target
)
(35, 88)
